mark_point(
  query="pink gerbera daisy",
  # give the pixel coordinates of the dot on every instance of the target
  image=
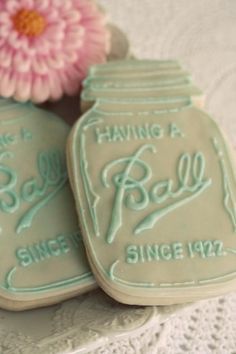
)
(46, 46)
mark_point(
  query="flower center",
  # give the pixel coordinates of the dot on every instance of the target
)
(29, 22)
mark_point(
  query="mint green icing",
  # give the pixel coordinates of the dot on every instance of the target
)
(7, 105)
(186, 166)
(112, 276)
(26, 134)
(139, 88)
(123, 183)
(175, 284)
(9, 201)
(229, 198)
(6, 139)
(29, 254)
(128, 132)
(206, 248)
(98, 107)
(135, 64)
(43, 288)
(174, 251)
(113, 84)
(214, 279)
(175, 131)
(92, 197)
(53, 174)
(26, 220)
(191, 182)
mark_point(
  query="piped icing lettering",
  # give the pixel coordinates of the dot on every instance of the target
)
(7, 139)
(53, 247)
(176, 251)
(118, 133)
(39, 190)
(191, 182)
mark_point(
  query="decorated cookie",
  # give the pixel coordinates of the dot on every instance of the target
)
(155, 192)
(42, 255)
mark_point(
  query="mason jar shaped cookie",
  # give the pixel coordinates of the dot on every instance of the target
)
(42, 255)
(155, 193)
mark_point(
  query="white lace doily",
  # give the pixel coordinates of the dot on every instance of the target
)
(206, 327)
(81, 325)
(209, 327)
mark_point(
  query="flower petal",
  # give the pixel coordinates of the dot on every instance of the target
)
(55, 62)
(15, 40)
(7, 84)
(39, 66)
(27, 4)
(72, 16)
(4, 18)
(12, 6)
(56, 90)
(40, 90)
(70, 82)
(42, 5)
(6, 56)
(21, 62)
(23, 88)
